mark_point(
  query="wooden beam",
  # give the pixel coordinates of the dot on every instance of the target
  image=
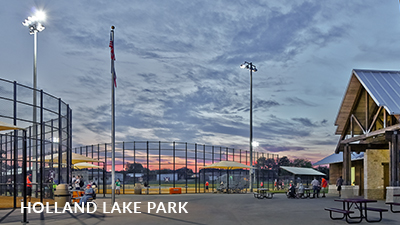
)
(376, 140)
(371, 134)
(362, 147)
(358, 122)
(394, 160)
(374, 120)
(347, 165)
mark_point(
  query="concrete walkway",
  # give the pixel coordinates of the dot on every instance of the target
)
(204, 209)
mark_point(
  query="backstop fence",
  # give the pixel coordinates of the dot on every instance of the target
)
(47, 122)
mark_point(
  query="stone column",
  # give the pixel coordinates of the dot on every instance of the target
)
(347, 189)
(374, 172)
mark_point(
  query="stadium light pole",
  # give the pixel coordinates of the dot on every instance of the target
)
(34, 24)
(252, 68)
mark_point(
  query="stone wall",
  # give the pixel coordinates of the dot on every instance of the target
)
(374, 173)
(335, 171)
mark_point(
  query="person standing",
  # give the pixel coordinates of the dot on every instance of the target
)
(207, 186)
(315, 184)
(118, 187)
(73, 182)
(9, 186)
(81, 182)
(339, 183)
(28, 188)
(324, 185)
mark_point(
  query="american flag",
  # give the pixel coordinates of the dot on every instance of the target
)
(113, 58)
(112, 49)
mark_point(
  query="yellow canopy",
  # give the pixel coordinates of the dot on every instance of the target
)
(84, 165)
(6, 126)
(78, 166)
(229, 165)
(75, 158)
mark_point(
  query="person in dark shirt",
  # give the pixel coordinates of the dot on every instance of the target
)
(339, 183)
(9, 186)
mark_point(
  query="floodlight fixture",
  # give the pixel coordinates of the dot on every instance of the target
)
(249, 66)
(255, 144)
(34, 22)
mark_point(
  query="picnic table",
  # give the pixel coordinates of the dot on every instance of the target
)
(394, 203)
(356, 204)
(263, 193)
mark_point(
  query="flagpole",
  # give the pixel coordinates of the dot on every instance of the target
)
(112, 117)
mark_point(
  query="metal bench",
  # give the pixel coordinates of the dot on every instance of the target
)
(391, 206)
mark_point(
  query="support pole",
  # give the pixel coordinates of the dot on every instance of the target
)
(24, 175)
(347, 165)
(112, 122)
(394, 160)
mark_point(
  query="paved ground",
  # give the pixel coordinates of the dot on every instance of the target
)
(203, 209)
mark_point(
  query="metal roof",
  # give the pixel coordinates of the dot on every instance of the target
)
(302, 171)
(382, 86)
(338, 158)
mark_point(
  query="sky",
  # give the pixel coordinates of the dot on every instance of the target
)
(177, 65)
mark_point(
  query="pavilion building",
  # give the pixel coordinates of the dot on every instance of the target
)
(368, 123)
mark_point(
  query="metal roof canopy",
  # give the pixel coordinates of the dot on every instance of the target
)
(302, 171)
(338, 158)
(382, 86)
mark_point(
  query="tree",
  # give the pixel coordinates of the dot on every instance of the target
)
(324, 169)
(284, 161)
(261, 163)
(301, 163)
(134, 168)
(271, 163)
(184, 173)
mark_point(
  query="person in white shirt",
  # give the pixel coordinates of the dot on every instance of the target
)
(315, 184)
(77, 181)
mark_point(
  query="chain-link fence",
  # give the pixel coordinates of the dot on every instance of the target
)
(162, 165)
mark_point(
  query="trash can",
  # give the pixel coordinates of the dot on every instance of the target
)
(138, 188)
(61, 195)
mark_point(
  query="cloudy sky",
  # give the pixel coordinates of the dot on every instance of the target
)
(178, 62)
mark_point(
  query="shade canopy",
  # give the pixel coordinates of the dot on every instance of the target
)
(84, 165)
(229, 165)
(78, 166)
(302, 171)
(75, 158)
(6, 126)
